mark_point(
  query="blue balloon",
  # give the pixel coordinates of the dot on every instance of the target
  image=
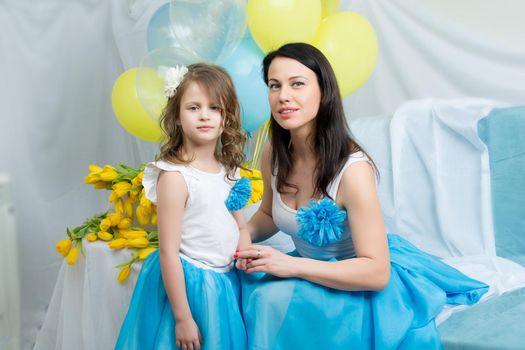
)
(160, 32)
(244, 66)
(209, 29)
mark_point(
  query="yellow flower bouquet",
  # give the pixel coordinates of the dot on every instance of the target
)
(132, 222)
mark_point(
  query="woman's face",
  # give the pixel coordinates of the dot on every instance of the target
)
(294, 93)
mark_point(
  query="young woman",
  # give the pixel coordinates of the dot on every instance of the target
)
(350, 285)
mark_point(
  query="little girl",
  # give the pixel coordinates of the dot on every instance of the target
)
(186, 295)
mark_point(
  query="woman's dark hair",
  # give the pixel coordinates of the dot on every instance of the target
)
(332, 140)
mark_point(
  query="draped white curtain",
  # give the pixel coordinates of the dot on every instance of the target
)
(425, 53)
(59, 60)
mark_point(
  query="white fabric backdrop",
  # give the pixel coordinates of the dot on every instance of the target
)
(58, 62)
(424, 53)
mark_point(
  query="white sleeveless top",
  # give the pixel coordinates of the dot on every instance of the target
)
(209, 231)
(285, 219)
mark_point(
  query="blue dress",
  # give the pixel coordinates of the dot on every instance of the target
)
(293, 313)
(208, 240)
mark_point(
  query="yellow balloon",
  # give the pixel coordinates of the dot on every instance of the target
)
(349, 42)
(273, 23)
(329, 7)
(129, 111)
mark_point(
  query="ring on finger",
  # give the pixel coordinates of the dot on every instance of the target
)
(258, 253)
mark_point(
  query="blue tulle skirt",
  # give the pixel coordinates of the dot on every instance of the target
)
(214, 300)
(297, 314)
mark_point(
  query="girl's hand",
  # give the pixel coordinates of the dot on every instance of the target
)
(242, 264)
(187, 335)
(266, 259)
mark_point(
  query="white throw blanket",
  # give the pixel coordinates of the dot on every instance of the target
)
(435, 185)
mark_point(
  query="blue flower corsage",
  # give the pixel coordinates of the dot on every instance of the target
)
(321, 222)
(239, 195)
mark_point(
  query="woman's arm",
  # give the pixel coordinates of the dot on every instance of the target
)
(370, 270)
(261, 225)
(171, 199)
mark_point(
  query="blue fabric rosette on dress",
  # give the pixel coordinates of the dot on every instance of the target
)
(293, 313)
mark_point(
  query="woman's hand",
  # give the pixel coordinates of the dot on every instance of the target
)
(187, 335)
(259, 258)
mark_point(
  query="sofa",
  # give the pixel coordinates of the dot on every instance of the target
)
(452, 180)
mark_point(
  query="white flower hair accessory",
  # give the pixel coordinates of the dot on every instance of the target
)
(173, 78)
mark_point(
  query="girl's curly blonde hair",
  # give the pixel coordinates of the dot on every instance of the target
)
(219, 86)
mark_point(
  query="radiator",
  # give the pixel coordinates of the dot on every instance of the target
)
(9, 281)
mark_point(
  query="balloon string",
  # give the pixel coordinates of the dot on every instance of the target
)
(262, 135)
(248, 148)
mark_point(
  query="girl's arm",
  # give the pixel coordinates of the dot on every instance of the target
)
(244, 235)
(171, 199)
(261, 225)
(370, 270)
(244, 238)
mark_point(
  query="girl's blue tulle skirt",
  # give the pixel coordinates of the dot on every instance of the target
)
(214, 300)
(297, 314)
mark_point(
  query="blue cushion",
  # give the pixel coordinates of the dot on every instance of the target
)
(499, 322)
(503, 131)
(496, 324)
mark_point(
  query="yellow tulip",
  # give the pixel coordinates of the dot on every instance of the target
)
(92, 179)
(257, 186)
(93, 168)
(144, 201)
(101, 185)
(123, 274)
(256, 173)
(144, 253)
(257, 191)
(114, 218)
(108, 173)
(118, 243)
(128, 207)
(154, 218)
(63, 247)
(250, 173)
(105, 236)
(142, 215)
(132, 234)
(137, 181)
(125, 223)
(105, 224)
(112, 197)
(119, 206)
(72, 256)
(245, 173)
(140, 242)
(121, 188)
(91, 237)
(134, 195)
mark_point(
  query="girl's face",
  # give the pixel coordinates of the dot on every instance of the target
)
(294, 93)
(200, 118)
